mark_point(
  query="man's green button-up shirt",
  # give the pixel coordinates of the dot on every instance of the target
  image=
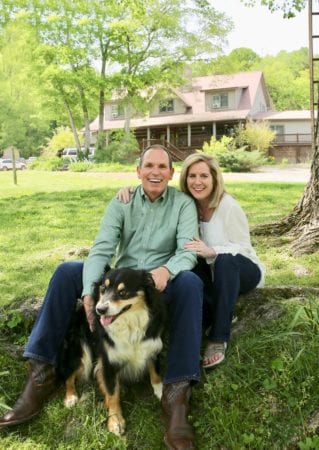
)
(144, 235)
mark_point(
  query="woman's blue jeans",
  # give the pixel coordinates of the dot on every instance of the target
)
(184, 298)
(233, 275)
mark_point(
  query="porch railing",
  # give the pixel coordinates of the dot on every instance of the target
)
(292, 138)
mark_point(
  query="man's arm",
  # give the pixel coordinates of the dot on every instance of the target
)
(104, 246)
(187, 229)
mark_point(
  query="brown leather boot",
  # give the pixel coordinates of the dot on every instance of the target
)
(175, 405)
(41, 384)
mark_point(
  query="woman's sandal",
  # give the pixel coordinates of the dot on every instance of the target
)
(214, 354)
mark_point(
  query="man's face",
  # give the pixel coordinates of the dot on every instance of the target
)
(155, 172)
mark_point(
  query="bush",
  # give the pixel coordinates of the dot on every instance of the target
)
(216, 146)
(240, 160)
(50, 164)
(80, 166)
(123, 148)
(255, 135)
(233, 159)
(62, 138)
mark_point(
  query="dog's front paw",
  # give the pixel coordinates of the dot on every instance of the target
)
(116, 424)
(158, 390)
(71, 400)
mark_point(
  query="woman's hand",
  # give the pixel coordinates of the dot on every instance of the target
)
(124, 194)
(200, 248)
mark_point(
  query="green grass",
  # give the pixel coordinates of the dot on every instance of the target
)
(260, 398)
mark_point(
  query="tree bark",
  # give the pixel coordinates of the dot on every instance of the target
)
(71, 120)
(303, 222)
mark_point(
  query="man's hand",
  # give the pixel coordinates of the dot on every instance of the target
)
(160, 276)
(88, 304)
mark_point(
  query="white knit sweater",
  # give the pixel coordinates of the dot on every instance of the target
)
(228, 232)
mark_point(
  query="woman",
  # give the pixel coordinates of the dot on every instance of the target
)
(228, 264)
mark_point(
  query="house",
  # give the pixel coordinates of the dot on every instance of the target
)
(293, 134)
(207, 106)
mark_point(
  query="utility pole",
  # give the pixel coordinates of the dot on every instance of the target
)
(313, 17)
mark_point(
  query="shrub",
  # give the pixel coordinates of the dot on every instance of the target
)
(49, 164)
(255, 135)
(122, 148)
(240, 160)
(62, 138)
(233, 159)
(80, 166)
(216, 146)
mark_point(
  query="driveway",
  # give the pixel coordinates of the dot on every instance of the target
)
(291, 173)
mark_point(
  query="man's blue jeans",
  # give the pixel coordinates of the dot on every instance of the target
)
(183, 295)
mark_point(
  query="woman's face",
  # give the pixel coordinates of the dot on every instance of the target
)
(200, 181)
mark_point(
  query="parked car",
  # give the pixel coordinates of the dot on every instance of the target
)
(7, 164)
(71, 153)
(31, 159)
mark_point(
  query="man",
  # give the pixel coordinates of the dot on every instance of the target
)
(147, 233)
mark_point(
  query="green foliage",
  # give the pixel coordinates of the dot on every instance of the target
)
(51, 164)
(62, 138)
(270, 375)
(216, 146)
(233, 159)
(256, 136)
(80, 166)
(123, 148)
(240, 160)
(24, 116)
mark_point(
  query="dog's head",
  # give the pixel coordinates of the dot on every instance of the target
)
(121, 290)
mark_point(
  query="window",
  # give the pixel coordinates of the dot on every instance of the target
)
(219, 101)
(116, 111)
(166, 105)
(278, 129)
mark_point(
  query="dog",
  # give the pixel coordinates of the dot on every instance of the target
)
(126, 340)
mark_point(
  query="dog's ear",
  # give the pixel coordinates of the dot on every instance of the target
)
(107, 268)
(148, 279)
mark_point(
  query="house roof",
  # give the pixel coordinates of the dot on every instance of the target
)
(284, 115)
(194, 98)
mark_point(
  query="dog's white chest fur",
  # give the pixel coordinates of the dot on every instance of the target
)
(130, 349)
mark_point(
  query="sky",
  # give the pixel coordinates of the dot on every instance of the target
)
(262, 31)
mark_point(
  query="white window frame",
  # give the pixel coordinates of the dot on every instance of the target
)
(166, 105)
(219, 101)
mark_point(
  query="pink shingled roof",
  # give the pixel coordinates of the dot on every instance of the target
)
(249, 82)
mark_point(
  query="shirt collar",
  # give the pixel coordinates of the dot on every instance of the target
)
(161, 197)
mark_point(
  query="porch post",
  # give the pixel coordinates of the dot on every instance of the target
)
(214, 128)
(189, 135)
(168, 133)
(148, 136)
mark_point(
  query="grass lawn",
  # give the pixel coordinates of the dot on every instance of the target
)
(260, 398)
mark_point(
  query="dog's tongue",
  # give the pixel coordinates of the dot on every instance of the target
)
(106, 320)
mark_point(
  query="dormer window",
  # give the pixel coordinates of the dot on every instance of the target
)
(166, 105)
(116, 111)
(219, 101)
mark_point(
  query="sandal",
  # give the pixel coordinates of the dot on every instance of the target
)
(214, 354)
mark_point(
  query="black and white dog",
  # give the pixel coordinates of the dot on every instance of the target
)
(126, 341)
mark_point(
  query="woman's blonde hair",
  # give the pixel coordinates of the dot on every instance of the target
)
(218, 181)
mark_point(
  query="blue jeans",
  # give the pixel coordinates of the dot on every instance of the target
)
(183, 295)
(233, 275)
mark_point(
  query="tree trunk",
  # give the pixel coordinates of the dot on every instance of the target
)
(127, 110)
(303, 222)
(72, 124)
(101, 103)
(86, 118)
